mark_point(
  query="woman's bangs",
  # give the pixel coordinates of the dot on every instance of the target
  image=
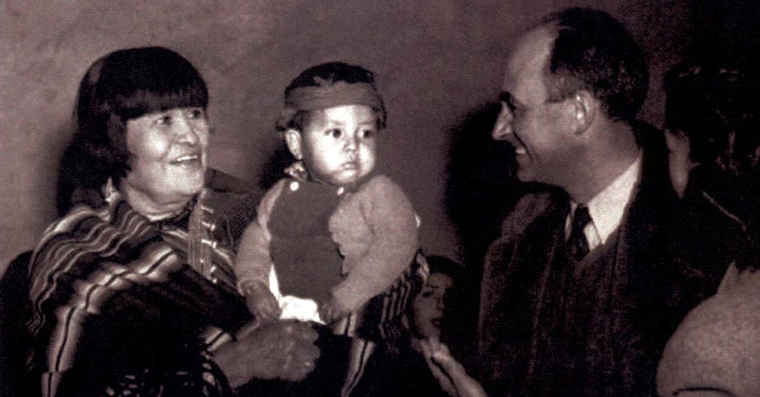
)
(163, 90)
(144, 101)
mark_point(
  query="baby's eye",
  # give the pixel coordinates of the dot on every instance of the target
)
(335, 133)
(367, 133)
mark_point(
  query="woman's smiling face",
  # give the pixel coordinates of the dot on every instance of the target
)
(168, 155)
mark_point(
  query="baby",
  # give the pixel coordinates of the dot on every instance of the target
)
(333, 234)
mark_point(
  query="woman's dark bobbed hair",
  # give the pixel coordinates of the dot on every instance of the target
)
(120, 86)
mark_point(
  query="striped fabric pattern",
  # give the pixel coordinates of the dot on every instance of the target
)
(111, 265)
(82, 234)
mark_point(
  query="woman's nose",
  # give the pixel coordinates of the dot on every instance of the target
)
(186, 130)
(503, 126)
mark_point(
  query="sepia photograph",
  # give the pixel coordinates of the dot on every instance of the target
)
(349, 198)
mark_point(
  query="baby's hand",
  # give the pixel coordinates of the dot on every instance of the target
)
(261, 302)
(331, 311)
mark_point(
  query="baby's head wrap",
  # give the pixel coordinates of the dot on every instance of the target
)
(329, 92)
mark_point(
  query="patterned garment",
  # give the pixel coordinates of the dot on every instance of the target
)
(125, 306)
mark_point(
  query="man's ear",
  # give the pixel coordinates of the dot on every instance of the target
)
(294, 141)
(584, 108)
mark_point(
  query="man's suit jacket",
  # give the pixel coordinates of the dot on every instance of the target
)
(552, 326)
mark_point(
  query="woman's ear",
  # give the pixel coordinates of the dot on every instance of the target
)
(294, 142)
(584, 108)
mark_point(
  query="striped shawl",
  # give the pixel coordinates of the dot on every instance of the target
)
(118, 310)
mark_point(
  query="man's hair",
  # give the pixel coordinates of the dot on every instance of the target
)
(595, 52)
(122, 85)
(329, 73)
(710, 101)
(128, 84)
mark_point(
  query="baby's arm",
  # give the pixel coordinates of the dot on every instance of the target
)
(254, 261)
(393, 223)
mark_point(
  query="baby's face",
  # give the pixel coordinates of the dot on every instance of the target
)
(338, 143)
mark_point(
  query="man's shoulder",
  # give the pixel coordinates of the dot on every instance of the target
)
(531, 206)
(654, 202)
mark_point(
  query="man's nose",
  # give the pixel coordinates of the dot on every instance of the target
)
(503, 127)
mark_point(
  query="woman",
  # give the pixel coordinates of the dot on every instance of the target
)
(132, 292)
(419, 364)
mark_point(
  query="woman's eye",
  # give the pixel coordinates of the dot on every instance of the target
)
(335, 133)
(196, 113)
(164, 120)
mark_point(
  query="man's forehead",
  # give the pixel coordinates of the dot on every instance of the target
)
(532, 50)
(528, 58)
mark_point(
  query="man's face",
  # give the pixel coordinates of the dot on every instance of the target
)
(536, 127)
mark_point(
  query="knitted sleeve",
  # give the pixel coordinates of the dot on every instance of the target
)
(254, 261)
(391, 219)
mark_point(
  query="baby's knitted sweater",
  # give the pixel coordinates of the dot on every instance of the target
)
(374, 229)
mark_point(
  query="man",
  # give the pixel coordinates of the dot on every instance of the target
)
(577, 295)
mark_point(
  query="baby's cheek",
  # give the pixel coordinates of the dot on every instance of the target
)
(369, 159)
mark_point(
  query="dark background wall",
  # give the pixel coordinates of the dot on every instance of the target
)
(439, 63)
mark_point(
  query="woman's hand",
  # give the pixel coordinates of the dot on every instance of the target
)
(331, 311)
(261, 302)
(450, 374)
(283, 350)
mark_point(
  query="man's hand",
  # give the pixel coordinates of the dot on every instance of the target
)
(283, 350)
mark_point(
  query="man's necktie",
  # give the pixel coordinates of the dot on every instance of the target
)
(577, 243)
